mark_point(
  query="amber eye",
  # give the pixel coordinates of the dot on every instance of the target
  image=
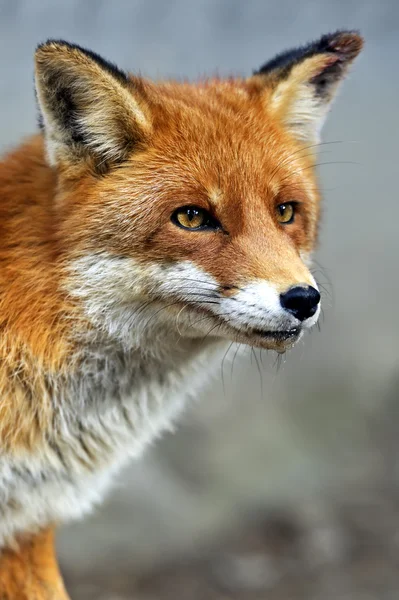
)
(194, 218)
(286, 212)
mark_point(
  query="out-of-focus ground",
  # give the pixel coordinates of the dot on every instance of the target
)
(351, 556)
(285, 488)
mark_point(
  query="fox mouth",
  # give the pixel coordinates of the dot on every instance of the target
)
(279, 336)
(278, 340)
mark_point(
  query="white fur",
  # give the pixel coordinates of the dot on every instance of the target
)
(141, 356)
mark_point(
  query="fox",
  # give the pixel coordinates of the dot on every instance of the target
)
(145, 227)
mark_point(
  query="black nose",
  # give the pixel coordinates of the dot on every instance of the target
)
(301, 301)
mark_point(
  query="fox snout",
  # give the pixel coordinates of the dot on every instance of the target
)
(261, 315)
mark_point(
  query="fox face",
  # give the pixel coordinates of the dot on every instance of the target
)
(190, 209)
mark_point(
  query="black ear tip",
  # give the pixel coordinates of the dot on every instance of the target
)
(347, 43)
(51, 49)
(53, 44)
(55, 48)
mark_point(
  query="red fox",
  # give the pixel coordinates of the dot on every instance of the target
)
(144, 228)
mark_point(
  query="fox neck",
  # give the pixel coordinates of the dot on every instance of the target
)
(160, 362)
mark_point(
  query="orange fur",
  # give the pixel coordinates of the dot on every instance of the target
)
(30, 570)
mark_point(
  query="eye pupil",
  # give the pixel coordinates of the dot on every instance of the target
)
(192, 213)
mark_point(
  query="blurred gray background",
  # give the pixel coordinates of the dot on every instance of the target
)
(282, 485)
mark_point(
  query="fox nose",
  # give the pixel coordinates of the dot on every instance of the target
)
(301, 301)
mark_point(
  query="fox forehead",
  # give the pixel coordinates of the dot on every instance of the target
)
(221, 129)
(208, 145)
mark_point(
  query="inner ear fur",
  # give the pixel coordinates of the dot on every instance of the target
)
(300, 84)
(87, 105)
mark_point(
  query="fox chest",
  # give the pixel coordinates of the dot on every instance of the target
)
(106, 415)
(118, 405)
(115, 411)
(100, 420)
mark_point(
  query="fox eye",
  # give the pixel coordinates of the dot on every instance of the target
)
(194, 218)
(286, 213)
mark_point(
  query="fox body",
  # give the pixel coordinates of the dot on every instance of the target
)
(144, 228)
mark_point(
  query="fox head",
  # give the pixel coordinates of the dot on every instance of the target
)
(190, 208)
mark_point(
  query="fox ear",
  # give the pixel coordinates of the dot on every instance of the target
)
(89, 108)
(301, 83)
